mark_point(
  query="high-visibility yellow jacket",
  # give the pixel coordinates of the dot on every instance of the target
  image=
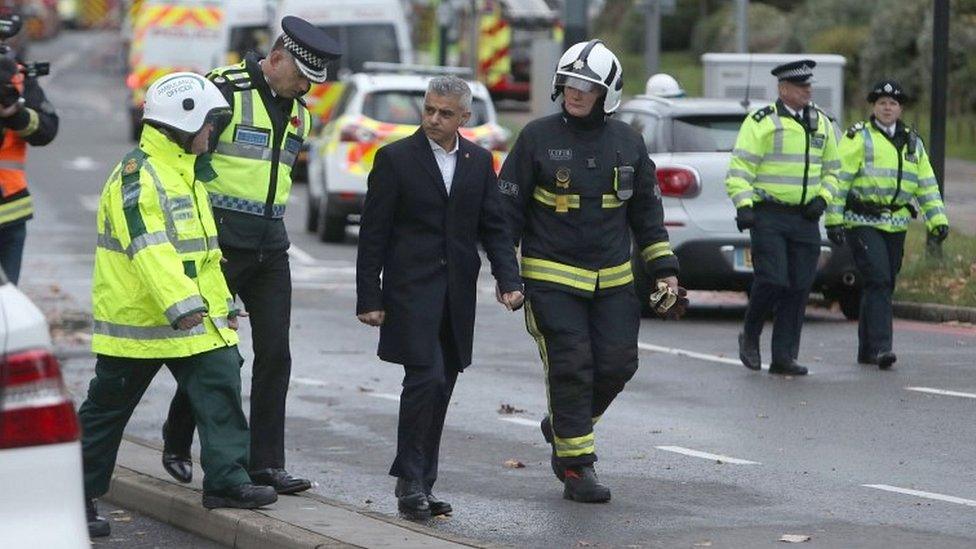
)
(776, 159)
(255, 153)
(879, 178)
(157, 258)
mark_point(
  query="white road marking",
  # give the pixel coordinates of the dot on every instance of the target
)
(81, 164)
(706, 455)
(921, 494)
(300, 255)
(311, 382)
(520, 421)
(691, 354)
(90, 201)
(385, 396)
(942, 392)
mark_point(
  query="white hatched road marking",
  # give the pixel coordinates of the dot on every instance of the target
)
(691, 354)
(941, 392)
(301, 255)
(706, 455)
(310, 382)
(922, 494)
(520, 421)
(385, 396)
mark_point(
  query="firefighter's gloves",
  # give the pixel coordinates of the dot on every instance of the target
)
(669, 303)
(940, 233)
(511, 300)
(835, 233)
(814, 209)
(745, 218)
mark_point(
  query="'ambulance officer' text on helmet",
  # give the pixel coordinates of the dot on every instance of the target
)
(589, 64)
(179, 104)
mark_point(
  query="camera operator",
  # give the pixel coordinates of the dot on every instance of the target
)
(26, 118)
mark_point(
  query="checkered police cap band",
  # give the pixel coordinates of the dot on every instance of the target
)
(798, 72)
(310, 64)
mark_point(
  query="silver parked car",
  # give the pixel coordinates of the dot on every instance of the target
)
(691, 140)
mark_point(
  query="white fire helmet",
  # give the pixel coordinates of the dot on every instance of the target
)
(586, 65)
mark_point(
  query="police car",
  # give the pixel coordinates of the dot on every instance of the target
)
(691, 141)
(42, 502)
(378, 106)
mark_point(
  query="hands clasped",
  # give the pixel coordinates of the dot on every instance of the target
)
(511, 300)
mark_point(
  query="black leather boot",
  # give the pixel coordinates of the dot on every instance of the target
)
(749, 352)
(789, 369)
(245, 496)
(412, 502)
(280, 480)
(438, 507)
(886, 359)
(557, 469)
(177, 463)
(582, 485)
(98, 527)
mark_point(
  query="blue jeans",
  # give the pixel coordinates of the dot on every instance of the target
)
(12, 249)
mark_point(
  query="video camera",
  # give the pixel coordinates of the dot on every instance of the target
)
(10, 24)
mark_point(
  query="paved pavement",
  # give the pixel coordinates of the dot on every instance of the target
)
(698, 451)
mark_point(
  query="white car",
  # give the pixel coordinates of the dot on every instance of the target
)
(690, 141)
(41, 487)
(377, 108)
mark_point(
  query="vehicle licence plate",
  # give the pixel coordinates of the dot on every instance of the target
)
(742, 259)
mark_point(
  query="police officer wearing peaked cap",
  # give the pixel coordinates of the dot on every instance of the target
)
(884, 167)
(253, 160)
(781, 177)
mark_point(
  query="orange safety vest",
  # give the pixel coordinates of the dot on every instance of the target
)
(15, 200)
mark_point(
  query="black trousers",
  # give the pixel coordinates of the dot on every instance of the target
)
(12, 239)
(878, 256)
(588, 347)
(426, 394)
(211, 381)
(785, 249)
(264, 286)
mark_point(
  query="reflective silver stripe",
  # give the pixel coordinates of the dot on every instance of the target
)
(287, 158)
(888, 172)
(786, 179)
(932, 212)
(747, 156)
(926, 198)
(163, 202)
(247, 107)
(11, 165)
(928, 182)
(191, 245)
(777, 133)
(835, 209)
(748, 176)
(785, 157)
(181, 308)
(220, 321)
(145, 240)
(845, 176)
(240, 150)
(868, 149)
(739, 197)
(144, 333)
(109, 243)
(830, 187)
(213, 242)
(832, 165)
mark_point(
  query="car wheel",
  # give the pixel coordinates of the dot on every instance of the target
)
(332, 228)
(311, 211)
(850, 304)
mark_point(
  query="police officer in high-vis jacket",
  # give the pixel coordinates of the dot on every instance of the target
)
(782, 175)
(159, 297)
(253, 161)
(576, 184)
(884, 168)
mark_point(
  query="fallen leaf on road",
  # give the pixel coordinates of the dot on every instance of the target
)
(122, 519)
(702, 544)
(582, 543)
(508, 409)
(794, 538)
(117, 512)
(364, 389)
(367, 501)
(514, 464)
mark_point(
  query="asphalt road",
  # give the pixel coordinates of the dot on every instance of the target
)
(698, 451)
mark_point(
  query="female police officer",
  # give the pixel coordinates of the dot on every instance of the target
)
(883, 168)
(576, 184)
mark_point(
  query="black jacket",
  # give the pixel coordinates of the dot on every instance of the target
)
(556, 156)
(425, 244)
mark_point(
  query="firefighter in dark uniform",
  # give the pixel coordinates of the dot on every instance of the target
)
(884, 167)
(576, 184)
(782, 175)
(253, 161)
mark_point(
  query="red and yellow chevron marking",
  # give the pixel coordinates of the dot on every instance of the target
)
(165, 16)
(493, 47)
(322, 98)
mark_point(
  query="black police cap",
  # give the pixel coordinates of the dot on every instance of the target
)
(311, 47)
(798, 72)
(888, 88)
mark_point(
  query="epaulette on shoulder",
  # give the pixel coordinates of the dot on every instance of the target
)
(856, 127)
(238, 77)
(131, 165)
(763, 113)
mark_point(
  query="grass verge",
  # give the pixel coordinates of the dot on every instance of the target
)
(951, 281)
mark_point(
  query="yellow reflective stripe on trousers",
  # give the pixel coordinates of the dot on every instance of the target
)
(551, 271)
(575, 446)
(616, 276)
(654, 251)
(533, 328)
(17, 209)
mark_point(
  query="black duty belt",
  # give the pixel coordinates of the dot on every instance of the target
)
(877, 210)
